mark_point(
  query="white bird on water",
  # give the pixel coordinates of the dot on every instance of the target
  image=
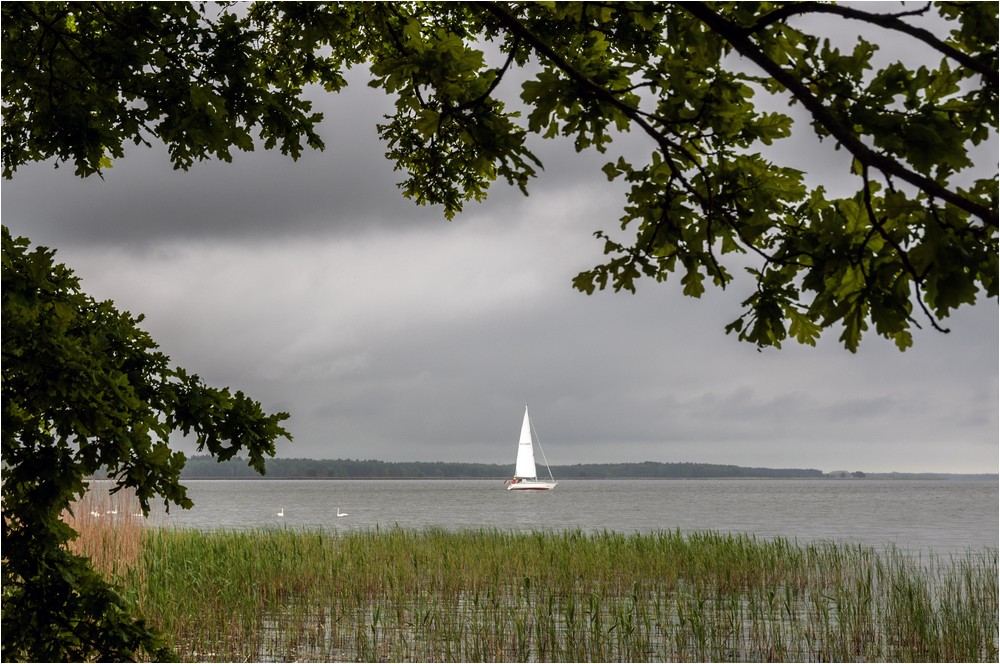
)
(339, 513)
(281, 512)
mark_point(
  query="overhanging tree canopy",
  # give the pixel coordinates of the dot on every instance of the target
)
(83, 386)
(81, 80)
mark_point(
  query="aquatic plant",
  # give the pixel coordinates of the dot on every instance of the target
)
(492, 595)
(488, 595)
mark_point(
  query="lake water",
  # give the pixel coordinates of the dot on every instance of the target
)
(940, 516)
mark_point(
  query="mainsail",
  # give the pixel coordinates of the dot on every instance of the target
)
(525, 466)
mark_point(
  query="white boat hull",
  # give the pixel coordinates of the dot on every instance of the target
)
(530, 485)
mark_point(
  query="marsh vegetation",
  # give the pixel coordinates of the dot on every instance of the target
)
(492, 595)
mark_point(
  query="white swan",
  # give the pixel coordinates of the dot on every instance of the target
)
(281, 512)
(339, 513)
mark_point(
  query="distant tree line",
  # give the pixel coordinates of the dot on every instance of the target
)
(206, 467)
(653, 469)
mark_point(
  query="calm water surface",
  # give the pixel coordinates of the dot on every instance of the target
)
(940, 516)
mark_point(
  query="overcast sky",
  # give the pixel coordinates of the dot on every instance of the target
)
(390, 333)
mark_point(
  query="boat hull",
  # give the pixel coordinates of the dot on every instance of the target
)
(530, 485)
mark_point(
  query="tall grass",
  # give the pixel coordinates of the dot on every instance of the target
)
(110, 529)
(488, 595)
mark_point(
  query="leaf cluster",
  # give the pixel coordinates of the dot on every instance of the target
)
(917, 239)
(85, 390)
(81, 80)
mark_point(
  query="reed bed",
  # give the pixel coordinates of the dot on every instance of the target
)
(110, 529)
(489, 595)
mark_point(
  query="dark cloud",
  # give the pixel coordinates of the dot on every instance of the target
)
(349, 188)
(142, 200)
(390, 333)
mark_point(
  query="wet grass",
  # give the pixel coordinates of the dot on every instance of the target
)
(488, 595)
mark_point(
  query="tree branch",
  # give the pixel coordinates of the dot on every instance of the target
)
(903, 255)
(666, 145)
(496, 81)
(887, 21)
(739, 38)
(599, 92)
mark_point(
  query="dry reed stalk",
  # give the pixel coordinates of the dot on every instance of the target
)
(110, 529)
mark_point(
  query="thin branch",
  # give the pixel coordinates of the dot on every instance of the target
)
(496, 82)
(602, 94)
(887, 21)
(518, 29)
(903, 256)
(740, 40)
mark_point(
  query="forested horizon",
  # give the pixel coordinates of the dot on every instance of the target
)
(206, 467)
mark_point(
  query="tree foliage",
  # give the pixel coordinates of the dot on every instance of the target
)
(84, 390)
(916, 240)
(83, 386)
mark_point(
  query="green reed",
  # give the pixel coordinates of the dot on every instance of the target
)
(489, 595)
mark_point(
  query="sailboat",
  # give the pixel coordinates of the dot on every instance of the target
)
(525, 475)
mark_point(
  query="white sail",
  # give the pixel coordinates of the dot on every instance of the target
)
(525, 472)
(525, 466)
